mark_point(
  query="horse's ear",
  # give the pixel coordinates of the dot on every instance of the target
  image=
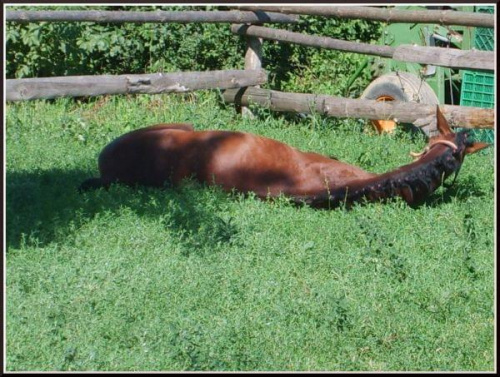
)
(476, 146)
(442, 124)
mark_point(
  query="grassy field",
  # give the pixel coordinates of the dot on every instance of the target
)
(196, 279)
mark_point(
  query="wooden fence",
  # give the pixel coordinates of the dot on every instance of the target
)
(262, 14)
(253, 76)
(257, 17)
(442, 17)
(179, 82)
(453, 58)
(420, 114)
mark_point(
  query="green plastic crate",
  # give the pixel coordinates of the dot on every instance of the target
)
(483, 38)
(478, 87)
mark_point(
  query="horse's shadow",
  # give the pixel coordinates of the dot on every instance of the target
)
(463, 189)
(44, 206)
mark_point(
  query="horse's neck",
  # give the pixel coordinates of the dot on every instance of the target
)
(412, 182)
(338, 174)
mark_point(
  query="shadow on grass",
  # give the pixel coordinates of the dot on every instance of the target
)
(463, 189)
(43, 206)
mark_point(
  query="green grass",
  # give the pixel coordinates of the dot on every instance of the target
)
(196, 279)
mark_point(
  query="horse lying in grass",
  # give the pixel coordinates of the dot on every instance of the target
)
(169, 153)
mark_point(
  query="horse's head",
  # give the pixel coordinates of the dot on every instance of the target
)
(459, 142)
(457, 145)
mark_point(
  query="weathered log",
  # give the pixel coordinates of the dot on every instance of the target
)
(258, 17)
(447, 57)
(179, 82)
(419, 114)
(442, 17)
(311, 40)
(453, 58)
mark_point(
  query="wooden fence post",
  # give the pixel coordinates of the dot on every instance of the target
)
(253, 60)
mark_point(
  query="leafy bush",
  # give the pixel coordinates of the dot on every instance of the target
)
(306, 69)
(52, 49)
(47, 49)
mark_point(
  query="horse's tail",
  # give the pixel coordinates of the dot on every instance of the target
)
(92, 184)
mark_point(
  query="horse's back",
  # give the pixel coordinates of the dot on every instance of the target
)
(164, 152)
(135, 157)
(231, 159)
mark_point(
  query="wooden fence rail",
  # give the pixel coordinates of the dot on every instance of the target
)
(75, 86)
(232, 16)
(421, 115)
(453, 58)
(443, 17)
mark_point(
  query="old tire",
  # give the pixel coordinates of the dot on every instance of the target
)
(400, 86)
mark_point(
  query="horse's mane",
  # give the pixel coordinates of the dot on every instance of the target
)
(414, 182)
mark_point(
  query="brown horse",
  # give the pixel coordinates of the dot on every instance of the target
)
(169, 153)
